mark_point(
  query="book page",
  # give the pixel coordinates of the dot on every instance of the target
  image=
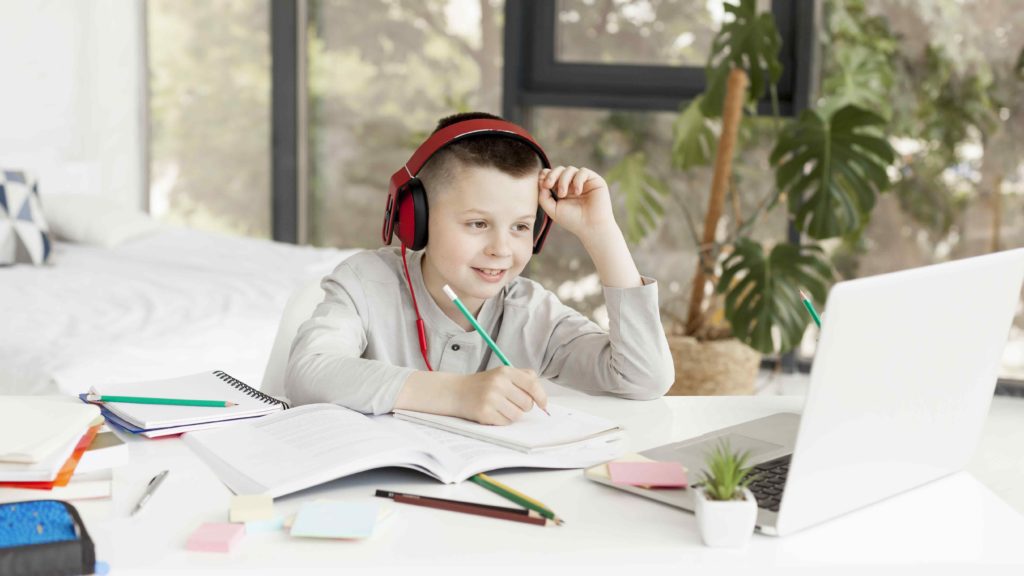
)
(302, 447)
(534, 431)
(460, 457)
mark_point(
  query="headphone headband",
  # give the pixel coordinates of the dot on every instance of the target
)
(401, 179)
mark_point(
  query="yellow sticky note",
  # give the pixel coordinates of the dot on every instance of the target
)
(251, 507)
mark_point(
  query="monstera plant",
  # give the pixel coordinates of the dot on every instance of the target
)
(829, 168)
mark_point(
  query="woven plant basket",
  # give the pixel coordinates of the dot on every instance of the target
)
(713, 368)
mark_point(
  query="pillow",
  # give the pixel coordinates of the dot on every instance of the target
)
(97, 220)
(24, 234)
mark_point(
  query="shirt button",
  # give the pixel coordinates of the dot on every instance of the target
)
(455, 347)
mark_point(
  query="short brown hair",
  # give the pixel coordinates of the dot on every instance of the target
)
(508, 155)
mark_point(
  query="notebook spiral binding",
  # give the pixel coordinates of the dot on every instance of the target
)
(249, 390)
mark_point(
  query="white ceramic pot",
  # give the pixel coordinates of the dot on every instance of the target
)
(728, 523)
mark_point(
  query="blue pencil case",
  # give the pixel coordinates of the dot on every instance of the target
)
(44, 537)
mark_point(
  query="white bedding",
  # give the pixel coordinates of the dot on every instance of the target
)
(168, 304)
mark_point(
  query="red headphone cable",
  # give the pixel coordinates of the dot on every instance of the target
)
(419, 320)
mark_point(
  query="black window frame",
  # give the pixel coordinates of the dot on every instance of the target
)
(533, 76)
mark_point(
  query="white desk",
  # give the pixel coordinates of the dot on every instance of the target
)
(955, 520)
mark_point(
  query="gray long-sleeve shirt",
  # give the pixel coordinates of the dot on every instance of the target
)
(360, 345)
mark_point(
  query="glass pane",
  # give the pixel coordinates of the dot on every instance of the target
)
(666, 32)
(600, 140)
(209, 82)
(959, 189)
(378, 83)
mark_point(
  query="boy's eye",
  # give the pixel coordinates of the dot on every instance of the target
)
(478, 224)
(522, 227)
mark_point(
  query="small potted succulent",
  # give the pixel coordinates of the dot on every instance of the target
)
(725, 508)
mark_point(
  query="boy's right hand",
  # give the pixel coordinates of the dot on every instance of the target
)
(500, 395)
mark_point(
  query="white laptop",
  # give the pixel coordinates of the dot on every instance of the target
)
(904, 373)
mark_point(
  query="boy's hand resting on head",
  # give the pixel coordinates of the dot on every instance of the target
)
(584, 205)
(500, 395)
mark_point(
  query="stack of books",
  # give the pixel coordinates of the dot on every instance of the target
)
(55, 448)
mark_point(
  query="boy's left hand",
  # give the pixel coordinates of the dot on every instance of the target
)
(584, 205)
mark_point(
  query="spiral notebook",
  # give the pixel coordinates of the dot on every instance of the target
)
(217, 385)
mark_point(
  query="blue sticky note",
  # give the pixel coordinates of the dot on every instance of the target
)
(335, 519)
(269, 525)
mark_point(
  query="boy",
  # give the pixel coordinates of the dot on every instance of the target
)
(360, 347)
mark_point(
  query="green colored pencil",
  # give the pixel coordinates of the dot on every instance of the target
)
(170, 401)
(810, 308)
(514, 496)
(487, 337)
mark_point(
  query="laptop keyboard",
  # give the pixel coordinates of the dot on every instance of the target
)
(769, 481)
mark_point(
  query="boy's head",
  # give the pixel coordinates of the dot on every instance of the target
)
(507, 155)
(483, 211)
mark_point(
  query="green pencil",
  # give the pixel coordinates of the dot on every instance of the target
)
(810, 308)
(487, 338)
(514, 496)
(148, 400)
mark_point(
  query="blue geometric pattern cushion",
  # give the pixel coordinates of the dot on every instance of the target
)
(24, 235)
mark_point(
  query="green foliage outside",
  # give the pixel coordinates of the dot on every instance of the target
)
(833, 164)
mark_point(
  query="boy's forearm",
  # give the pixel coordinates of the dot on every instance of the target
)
(614, 263)
(434, 392)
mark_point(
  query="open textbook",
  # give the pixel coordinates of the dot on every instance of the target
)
(309, 445)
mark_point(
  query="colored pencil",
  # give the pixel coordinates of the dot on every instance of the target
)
(148, 400)
(810, 308)
(480, 329)
(515, 496)
(468, 508)
(521, 511)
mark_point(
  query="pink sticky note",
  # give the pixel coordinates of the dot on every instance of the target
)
(648, 474)
(216, 537)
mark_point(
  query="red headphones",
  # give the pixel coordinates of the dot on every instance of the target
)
(407, 199)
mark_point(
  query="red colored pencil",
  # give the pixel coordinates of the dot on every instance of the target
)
(468, 508)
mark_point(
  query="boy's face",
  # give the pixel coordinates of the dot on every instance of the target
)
(480, 232)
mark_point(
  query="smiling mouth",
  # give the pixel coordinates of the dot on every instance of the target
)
(490, 272)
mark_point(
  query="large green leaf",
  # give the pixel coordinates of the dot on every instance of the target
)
(764, 292)
(642, 193)
(832, 170)
(693, 140)
(750, 42)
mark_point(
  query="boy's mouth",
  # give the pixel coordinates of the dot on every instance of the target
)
(490, 274)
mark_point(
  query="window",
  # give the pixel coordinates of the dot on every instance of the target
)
(209, 107)
(377, 86)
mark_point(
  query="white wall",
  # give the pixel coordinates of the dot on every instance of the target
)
(71, 95)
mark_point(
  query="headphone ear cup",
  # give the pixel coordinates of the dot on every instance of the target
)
(413, 215)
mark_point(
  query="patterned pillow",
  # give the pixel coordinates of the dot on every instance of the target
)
(24, 235)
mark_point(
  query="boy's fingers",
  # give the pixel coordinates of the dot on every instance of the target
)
(547, 201)
(552, 176)
(509, 411)
(563, 181)
(520, 398)
(528, 382)
(579, 179)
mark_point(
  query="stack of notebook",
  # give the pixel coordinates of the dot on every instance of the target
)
(155, 420)
(52, 448)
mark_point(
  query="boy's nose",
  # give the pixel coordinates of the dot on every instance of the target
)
(499, 245)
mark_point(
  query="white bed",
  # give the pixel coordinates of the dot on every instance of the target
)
(166, 304)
